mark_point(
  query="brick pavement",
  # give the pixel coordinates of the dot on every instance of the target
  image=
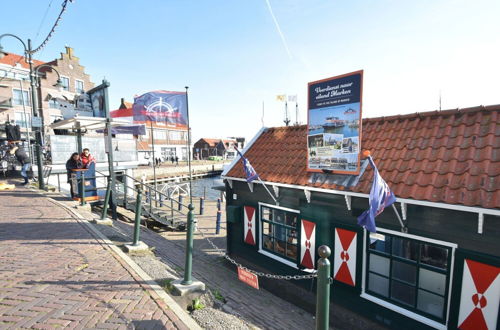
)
(54, 273)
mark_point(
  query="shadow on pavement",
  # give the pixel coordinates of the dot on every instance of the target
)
(42, 231)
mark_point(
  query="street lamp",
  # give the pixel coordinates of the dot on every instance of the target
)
(28, 53)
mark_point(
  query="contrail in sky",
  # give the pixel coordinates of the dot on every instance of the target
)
(279, 30)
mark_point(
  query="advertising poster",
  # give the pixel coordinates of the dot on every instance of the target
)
(334, 124)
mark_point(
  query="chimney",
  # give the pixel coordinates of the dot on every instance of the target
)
(69, 51)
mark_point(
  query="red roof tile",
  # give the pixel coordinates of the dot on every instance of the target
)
(12, 59)
(450, 156)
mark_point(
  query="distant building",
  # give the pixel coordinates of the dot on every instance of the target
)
(205, 148)
(168, 142)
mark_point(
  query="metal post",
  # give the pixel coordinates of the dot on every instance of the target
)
(150, 202)
(172, 209)
(82, 188)
(106, 200)
(179, 208)
(218, 204)
(125, 191)
(202, 205)
(323, 289)
(137, 223)
(154, 159)
(189, 247)
(36, 113)
(161, 199)
(58, 182)
(217, 222)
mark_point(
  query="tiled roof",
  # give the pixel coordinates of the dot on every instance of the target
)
(11, 59)
(214, 142)
(450, 156)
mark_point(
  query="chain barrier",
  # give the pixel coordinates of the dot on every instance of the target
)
(261, 274)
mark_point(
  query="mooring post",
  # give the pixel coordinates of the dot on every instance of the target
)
(137, 223)
(202, 205)
(218, 204)
(180, 201)
(217, 222)
(82, 189)
(323, 289)
(189, 247)
(106, 200)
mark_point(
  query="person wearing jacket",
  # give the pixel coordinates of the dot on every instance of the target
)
(72, 164)
(23, 158)
(86, 158)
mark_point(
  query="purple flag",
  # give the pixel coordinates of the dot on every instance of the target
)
(381, 196)
(249, 171)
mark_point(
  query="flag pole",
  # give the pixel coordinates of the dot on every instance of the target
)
(154, 158)
(403, 227)
(262, 182)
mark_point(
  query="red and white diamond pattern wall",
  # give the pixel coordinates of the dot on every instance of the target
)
(480, 296)
(307, 243)
(344, 258)
(249, 225)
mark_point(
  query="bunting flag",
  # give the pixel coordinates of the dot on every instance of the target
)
(249, 170)
(249, 225)
(292, 98)
(480, 296)
(381, 197)
(169, 108)
(307, 244)
(281, 98)
(344, 258)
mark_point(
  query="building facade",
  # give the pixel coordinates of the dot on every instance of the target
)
(206, 148)
(440, 269)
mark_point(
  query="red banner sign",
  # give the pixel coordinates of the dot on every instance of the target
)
(248, 278)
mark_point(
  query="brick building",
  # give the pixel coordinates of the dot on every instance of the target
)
(56, 103)
(223, 148)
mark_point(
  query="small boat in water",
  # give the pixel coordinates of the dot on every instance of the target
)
(333, 122)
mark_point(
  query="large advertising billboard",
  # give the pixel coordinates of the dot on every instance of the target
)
(334, 124)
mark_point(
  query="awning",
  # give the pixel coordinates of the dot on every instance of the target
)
(62, 95)
(91, 123)
(130, 129)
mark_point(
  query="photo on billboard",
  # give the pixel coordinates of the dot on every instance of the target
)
(334, 124)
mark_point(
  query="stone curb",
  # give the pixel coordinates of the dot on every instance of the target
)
(166, 302)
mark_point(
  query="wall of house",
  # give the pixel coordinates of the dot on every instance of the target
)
(329, 212)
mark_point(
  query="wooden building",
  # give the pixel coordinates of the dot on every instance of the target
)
(441, 270)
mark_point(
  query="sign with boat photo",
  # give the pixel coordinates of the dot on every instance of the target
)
(334, 124)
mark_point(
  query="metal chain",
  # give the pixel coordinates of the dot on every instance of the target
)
(261, 274)
(39, 48)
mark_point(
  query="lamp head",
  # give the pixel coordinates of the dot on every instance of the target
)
(59, 85)
(2, 53)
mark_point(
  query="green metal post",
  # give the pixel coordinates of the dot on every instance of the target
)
(189, 247)
(137, 224)
(106, 200)
(323, 289)
(82, 188)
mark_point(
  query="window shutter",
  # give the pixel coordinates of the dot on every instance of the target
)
(344, 257)
(249, 225)
(307, 243)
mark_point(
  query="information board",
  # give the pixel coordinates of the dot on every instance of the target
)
(334, 124)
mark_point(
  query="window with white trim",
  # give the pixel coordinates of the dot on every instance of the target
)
(65, 83)
(409, 273)
(23, 119)
(20, 97)
(79, 86)
(279, 232)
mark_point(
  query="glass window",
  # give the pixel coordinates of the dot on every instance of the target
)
(65, 83)
(279, 232)
(79, 86)
(23, 119)
(410, 273)
(20, 97)
(54, 104)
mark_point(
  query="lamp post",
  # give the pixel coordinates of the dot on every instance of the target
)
(29, 55)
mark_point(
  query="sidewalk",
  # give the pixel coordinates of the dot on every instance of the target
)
(55, 273)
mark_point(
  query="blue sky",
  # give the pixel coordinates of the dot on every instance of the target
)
(231, 56)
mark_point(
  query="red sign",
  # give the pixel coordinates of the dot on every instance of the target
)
(248, 278)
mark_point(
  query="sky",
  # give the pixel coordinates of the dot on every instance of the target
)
(236, 59)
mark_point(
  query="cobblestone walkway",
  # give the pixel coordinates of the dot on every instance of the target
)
(54, 273)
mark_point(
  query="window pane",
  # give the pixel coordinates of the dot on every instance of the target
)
(379, 264)
(380, 243)
(65, 83)
(291, 235)
(434, 256)
(432, 281)
(291, 219)
(404, 248)
(404, 272)
(267, 228)
(403, 293)
(279, 247)
(279, 216)
(280, 232)
(267, 242)
(378, 284)
(291, 250)
(430, 303)
(266, 213)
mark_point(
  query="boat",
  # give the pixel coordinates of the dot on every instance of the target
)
(333, 122)
(349, 111)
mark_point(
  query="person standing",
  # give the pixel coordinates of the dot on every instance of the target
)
(176, 160)
(72, 164)
(86, 158)
(23, 158)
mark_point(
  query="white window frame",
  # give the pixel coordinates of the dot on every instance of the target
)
(24, 102)
(268, 254)
(398, 309)
(69, 83)
(76, 86)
